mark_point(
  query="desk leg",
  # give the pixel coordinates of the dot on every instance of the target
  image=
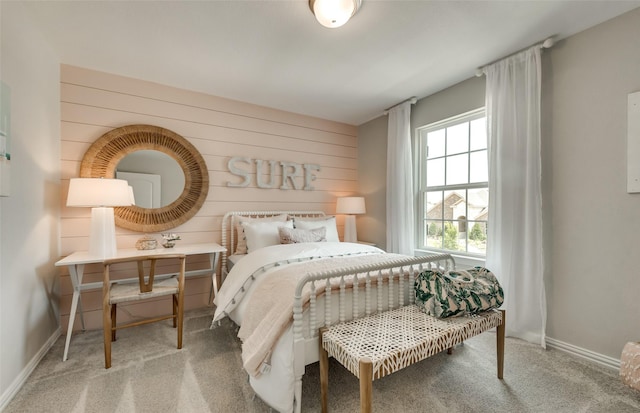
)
(75, 273)
(81, 312)
(213, 261)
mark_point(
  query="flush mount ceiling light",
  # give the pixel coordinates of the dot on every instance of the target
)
(334, 13)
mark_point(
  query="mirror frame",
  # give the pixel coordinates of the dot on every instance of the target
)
(103, 156)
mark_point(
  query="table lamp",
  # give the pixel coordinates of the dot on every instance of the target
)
(350, 205)
(101, 195)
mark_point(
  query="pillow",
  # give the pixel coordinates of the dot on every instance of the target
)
(241, 246)
(312, 223)
(295, 236)
(263, 234)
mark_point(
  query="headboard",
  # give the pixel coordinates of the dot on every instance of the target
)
(229, 223)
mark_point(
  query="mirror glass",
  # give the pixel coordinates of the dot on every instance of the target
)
(156, 178)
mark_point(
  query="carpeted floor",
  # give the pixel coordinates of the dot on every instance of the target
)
(150, 375)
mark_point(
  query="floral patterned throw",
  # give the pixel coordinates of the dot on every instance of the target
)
(455, 293)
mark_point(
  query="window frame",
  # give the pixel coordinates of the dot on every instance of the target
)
(420, 142)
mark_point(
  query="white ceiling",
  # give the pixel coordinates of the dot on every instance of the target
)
(274, 53)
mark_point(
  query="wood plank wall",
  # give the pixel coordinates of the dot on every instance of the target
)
(92, 103)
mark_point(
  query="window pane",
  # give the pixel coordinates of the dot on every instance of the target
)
(451, 240)
(434, 234)
(477, 237)
(458, 138)
(479, 165)
(435, 172)
(451, 199)
(459, 211)
(457, 169)
(435, 144)
(478, 207)
(478, 204)
(479, 134)
(433, 205)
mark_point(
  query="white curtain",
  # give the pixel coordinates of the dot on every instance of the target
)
(400, 191)
(514, 250)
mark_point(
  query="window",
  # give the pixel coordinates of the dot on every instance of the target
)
(453, 176)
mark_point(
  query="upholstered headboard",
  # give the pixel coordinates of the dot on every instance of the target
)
(230, 220)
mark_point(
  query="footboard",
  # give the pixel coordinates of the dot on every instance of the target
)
(351, 293)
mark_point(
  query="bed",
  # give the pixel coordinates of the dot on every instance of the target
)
(281, 294)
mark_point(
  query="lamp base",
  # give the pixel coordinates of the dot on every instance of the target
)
(102, 240)
(350, 231)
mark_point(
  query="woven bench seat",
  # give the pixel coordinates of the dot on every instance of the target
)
(383, 343)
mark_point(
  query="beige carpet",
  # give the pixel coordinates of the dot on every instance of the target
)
(150, 375)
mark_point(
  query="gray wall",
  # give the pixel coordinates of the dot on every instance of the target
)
(29, 218)
(372, 180)
(591, 224)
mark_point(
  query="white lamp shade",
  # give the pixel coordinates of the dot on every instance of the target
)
(350, 205)
(98, 192)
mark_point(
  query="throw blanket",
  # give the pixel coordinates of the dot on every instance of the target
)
(271, 308)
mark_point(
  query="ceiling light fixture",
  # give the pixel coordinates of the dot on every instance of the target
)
(334, 13)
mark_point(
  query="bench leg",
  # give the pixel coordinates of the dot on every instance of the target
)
(500, 344)
(366, 379)
(324, 374)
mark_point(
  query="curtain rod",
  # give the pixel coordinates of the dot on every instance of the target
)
(546, 44)
(412, 99)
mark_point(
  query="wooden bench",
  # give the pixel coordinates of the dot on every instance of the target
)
(383, 343)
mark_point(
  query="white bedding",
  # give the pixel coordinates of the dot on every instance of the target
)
(250, 271)
(233, 259)
(274, 382)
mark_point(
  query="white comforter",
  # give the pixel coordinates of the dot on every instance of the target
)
(266, 339)
(251, 270)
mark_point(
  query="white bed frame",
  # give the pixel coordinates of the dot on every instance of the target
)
(375, 288)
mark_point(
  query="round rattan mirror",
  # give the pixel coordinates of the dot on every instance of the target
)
(102, 158)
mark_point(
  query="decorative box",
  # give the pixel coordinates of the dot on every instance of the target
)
(630, 365)
(147, 243)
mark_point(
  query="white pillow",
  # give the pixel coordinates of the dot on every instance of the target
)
(312, 223)
(263, 234)
(241, 246)
(297, 235)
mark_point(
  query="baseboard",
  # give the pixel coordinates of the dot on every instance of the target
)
(17, 384)
(589, 355)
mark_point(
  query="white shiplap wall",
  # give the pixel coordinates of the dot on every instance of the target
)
(92, 103)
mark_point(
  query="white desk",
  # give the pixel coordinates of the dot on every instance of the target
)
(77, 261)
